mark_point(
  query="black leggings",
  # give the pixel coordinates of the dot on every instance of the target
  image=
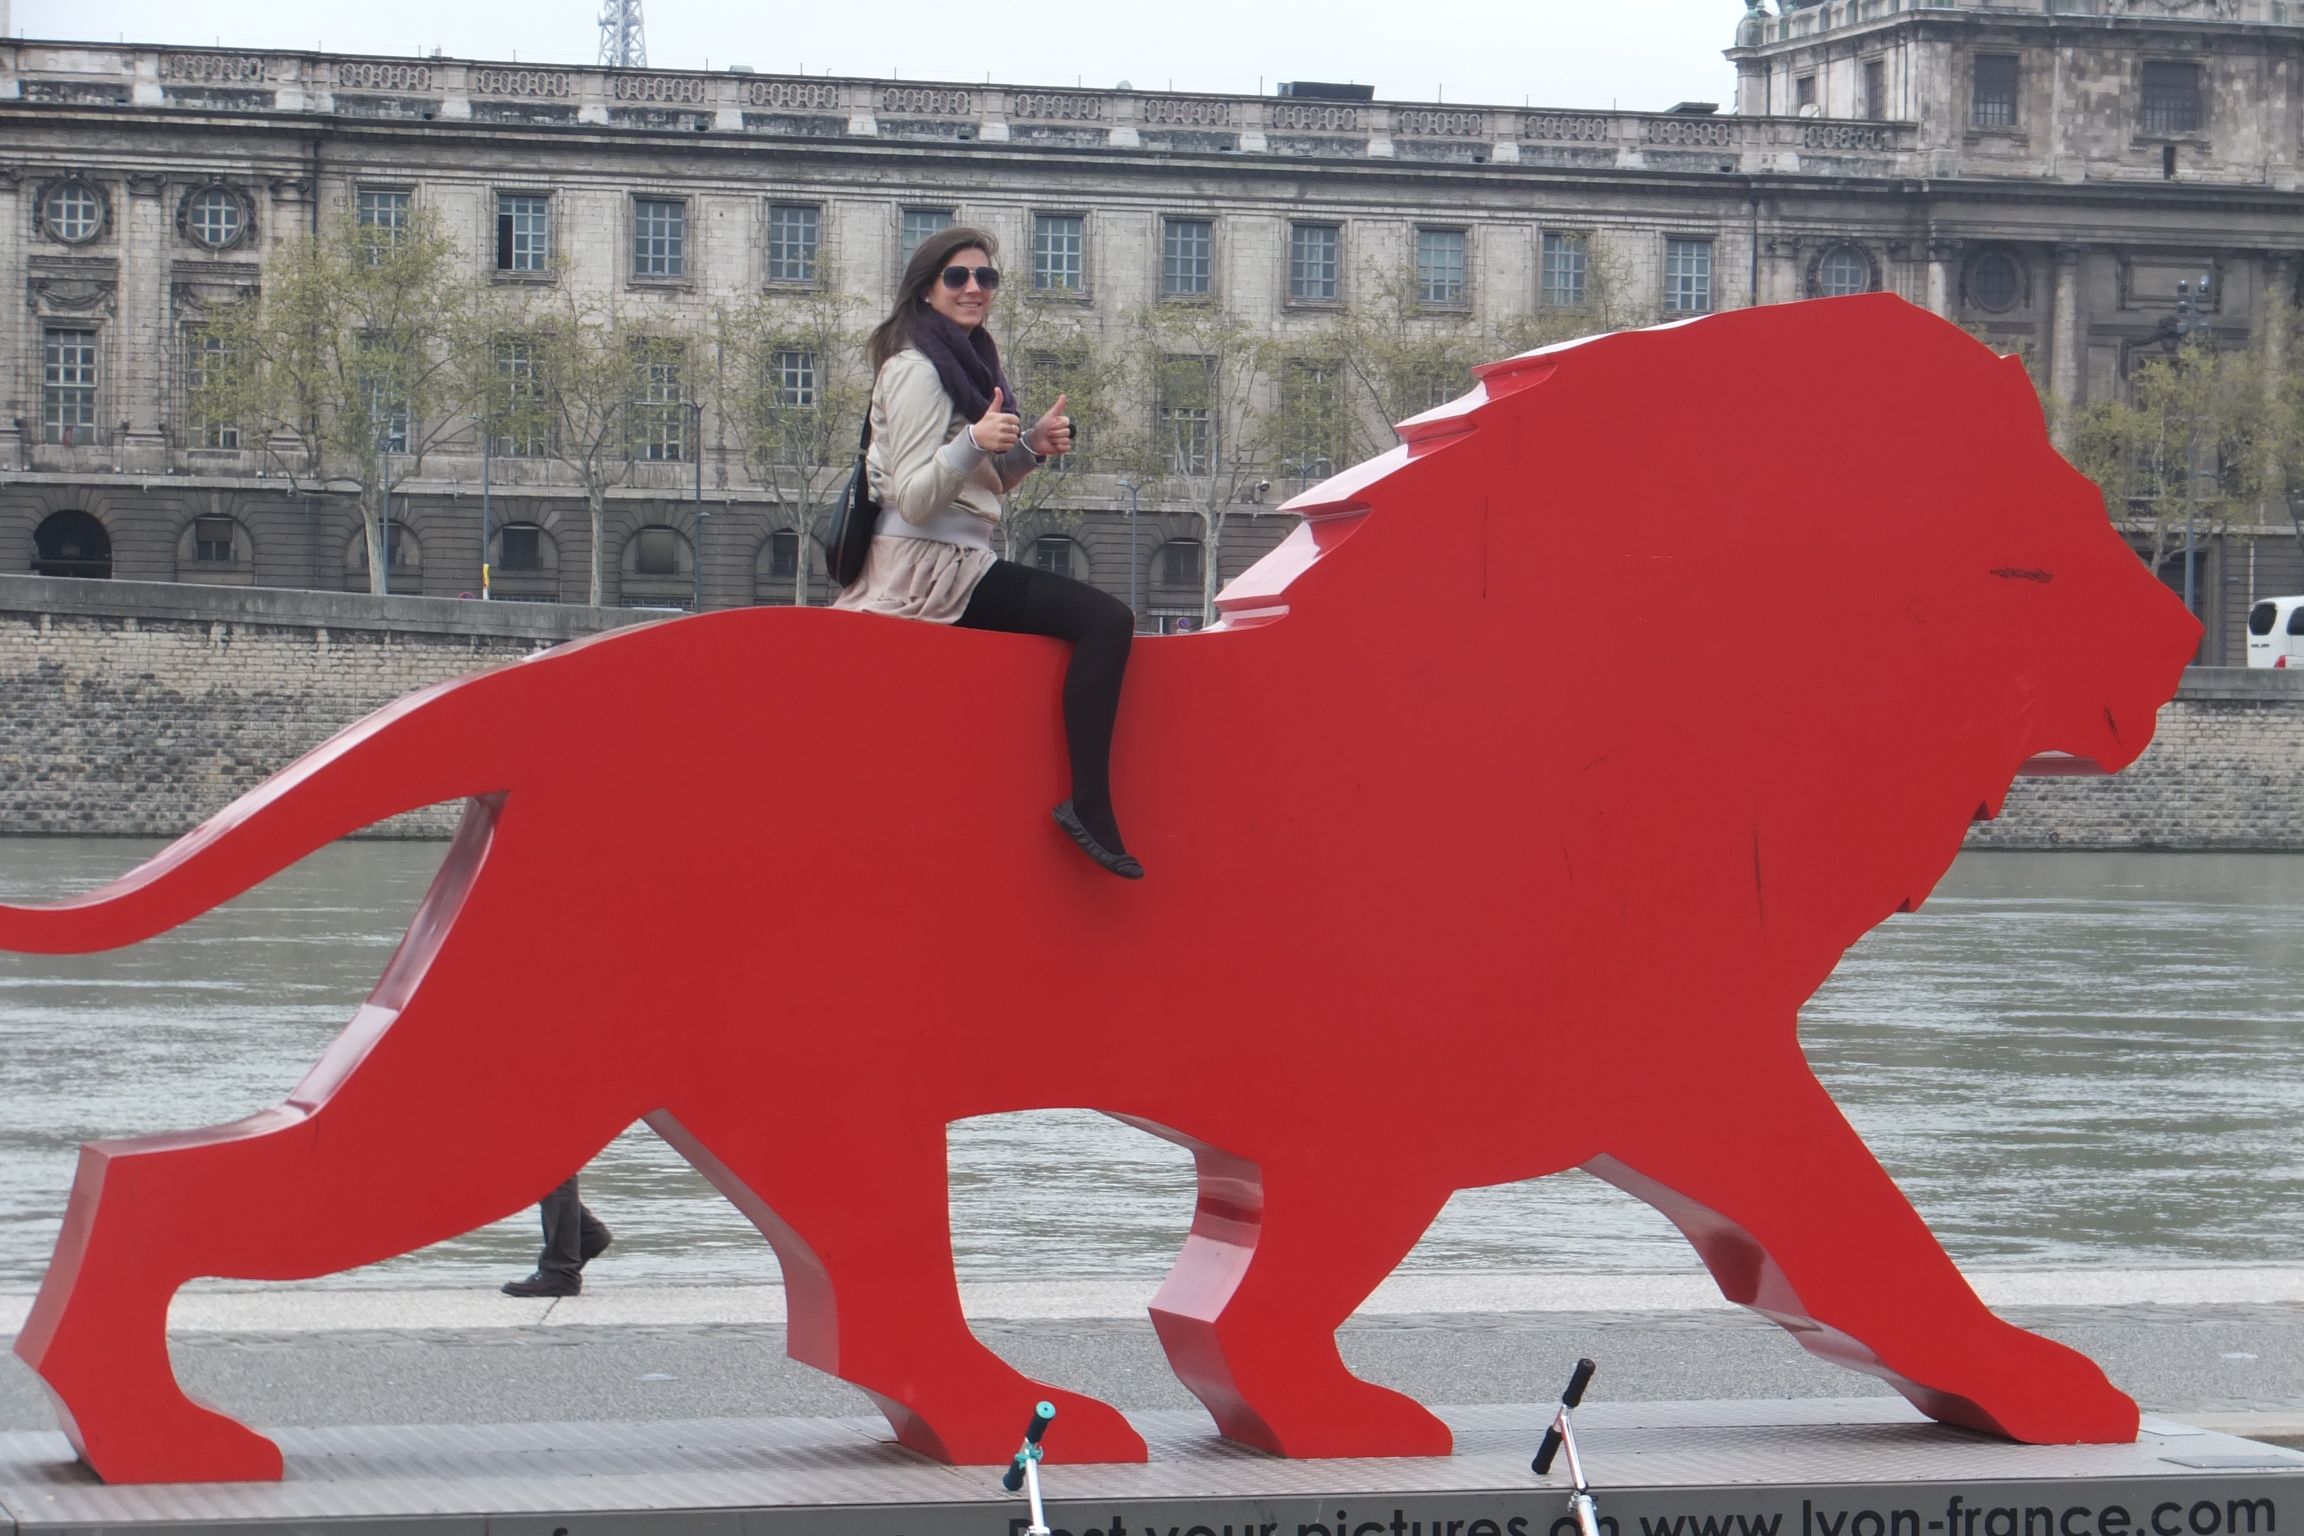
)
(1025, 600)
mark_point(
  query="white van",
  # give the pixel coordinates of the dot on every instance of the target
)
(2276, 632)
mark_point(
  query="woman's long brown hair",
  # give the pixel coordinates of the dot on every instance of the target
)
(894, 334)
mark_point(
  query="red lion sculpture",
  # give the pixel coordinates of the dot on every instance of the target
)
(1533, 782)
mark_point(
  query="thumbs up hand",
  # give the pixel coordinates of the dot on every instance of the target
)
(1052, 433)
(997, 429)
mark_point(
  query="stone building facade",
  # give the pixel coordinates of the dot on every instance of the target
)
(2047, 172)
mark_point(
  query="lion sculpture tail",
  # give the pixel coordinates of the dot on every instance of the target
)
(428, 747)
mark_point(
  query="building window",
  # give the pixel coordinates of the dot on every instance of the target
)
(1314, 267)
(68, 386)
(523, 232)
(1312, 410)
(1058, 244)
(212, 540)
(520, 547)
(784, 554)
(71, 543)
(1688, 277)
(206, 356)
(659, 237)
(1993, 104)
(1180, 563)
(1567, 257)
(795, 378)
(656, 552)
(794, 229)
(215, 217)
(1053, 555)
(1995, 282)
(381, 216)
(660, 408)
(1187, 258)
(73, 212)
(918, 225)
(525, 431)
(1440, 266)
(1804, 94)
(388, 410)
(1842, 270)
(1876, 89)
(1183, 426)
(2171, 97)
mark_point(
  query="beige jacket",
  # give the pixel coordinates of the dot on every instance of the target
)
(931, 479)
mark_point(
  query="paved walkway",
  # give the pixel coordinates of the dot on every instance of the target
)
(2219, 1347)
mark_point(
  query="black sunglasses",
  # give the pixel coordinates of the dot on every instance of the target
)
(956, 278)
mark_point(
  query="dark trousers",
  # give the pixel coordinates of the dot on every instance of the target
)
(1023, 599)
(567, 1226)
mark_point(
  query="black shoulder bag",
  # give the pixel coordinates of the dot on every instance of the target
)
(857, 519)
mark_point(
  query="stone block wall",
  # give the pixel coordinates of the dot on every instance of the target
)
(138, 709)
(2225, 771)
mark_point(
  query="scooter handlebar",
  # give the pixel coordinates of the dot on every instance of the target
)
(1578, 1380)
(1041, 1414)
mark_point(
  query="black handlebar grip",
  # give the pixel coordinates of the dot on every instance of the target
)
(1577, 1383)
(1013, 1479)
(1545, 1452)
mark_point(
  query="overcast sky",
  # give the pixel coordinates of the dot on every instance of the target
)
(1642, 54)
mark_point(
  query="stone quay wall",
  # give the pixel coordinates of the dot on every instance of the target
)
(137, 709)
(2225, 771)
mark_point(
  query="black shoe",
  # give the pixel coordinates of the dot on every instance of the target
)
(1122, 864)
(542, 1284)
(591, 1246)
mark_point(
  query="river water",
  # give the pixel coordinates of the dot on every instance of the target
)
(2065, 1059)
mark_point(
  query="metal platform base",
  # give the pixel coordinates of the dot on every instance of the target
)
(1826, 1467)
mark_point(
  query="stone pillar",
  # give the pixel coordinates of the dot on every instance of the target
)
(1943, 285)
(2064, 344)
(142, 351)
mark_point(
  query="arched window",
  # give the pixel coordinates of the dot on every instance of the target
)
(659, 568)
(783, 554)
(214, 547)
(788, 568)
(72, 211)
(1179, 564)
(404, 559)
(216, 217)
(71, 543)
(524, 564)
(1996, 281)
(1842, 270)
(525, 549)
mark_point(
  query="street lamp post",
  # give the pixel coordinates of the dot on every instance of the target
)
(2187, 320)
(487, 519)
(696, 536)
(1135, 559)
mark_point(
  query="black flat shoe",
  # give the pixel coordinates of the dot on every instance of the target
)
(1122, 864)
(542, 1284)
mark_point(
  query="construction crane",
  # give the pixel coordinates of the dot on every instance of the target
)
(622, 44)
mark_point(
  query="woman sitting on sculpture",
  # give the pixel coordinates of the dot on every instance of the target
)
(948, 441)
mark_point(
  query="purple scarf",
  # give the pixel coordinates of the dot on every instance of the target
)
(967, 361)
